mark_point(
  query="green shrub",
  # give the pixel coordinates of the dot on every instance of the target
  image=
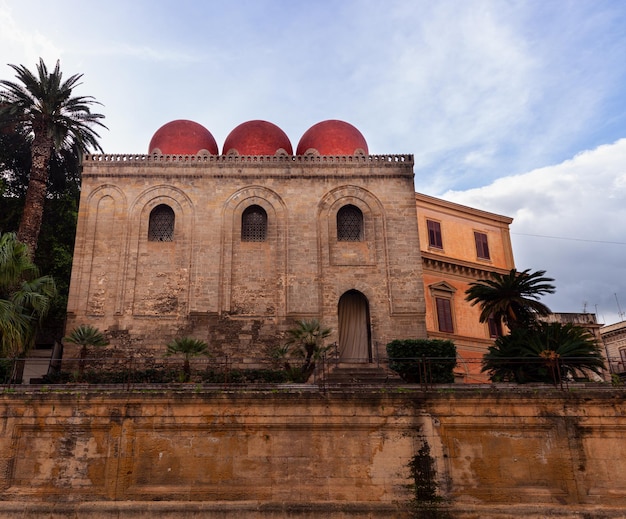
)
(423, 360)
(6, 371)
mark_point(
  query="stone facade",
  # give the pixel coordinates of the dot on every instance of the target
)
(238, 295)
(496, 453)
(614, 340)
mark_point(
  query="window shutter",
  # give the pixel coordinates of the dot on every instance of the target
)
(444, 315)
(482, 247)
(434, 234)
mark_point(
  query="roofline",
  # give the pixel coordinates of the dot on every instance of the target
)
(462, 208)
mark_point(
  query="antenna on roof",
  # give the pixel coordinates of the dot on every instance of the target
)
(598, 315)
(619, 308)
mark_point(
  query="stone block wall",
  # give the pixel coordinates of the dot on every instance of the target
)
(241, 296)
(298, 451)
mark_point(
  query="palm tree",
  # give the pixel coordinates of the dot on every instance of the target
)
(566, 349)
(547, 352)
(86, 335)
(512, 297)
(43, 106)
(24, 297)
(188, 347)
(306, 342)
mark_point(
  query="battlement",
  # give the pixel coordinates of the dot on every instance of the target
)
(406, 159)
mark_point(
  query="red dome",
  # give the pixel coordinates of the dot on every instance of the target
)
(332, 138)
(183, 137)
(257, 138)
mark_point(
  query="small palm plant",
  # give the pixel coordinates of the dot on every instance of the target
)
(548, 352)
(305, 342)
(188, 347)
(85, 336)
(566, 350)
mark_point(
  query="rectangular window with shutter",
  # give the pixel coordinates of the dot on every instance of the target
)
(444, 315)
(495, 328)
(482, 247)
(434, 234)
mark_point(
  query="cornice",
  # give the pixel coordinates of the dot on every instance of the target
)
(457, 266)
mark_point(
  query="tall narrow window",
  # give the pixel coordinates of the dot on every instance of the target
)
(495, 327)
(434, 234)
(161, 225)
(349, 224)
(444, 315)
(254, 224)
(482, 247)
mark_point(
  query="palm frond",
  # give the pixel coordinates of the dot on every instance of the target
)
(512, 297)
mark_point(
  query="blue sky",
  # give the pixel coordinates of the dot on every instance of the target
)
(515, 107)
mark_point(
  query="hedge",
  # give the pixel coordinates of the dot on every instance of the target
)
(423, 360)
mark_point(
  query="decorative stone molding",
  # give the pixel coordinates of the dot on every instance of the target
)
(449, 265)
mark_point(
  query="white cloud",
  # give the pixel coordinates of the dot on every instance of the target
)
(569, 219)
(20, 44)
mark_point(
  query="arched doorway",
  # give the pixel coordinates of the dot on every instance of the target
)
(354, 328)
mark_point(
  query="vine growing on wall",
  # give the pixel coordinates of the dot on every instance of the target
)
(425, 503)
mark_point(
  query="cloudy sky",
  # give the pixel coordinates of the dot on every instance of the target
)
(512, 106)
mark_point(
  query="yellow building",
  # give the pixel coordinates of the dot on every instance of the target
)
(459, 245)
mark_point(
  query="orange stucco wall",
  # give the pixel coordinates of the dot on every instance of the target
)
(449, 270)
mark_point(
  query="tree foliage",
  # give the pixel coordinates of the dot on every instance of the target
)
(545, 352)
(512, 297)
(85, 336)
(56, 240)
(41, 107)
(188, 347)
(24, 297)
(423, 360)
(304, 347)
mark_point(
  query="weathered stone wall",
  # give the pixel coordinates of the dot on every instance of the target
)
(242, 296)
(296, 451)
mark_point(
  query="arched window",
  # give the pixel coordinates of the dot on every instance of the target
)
(254, 224)
(349, 224)
(161, 226)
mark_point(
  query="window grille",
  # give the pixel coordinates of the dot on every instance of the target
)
(254, 224)
(161, 226)
(434, 234)
(350, 224)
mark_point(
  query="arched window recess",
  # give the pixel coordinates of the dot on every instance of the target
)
(161, 224)
(349, 223)
(254, 224)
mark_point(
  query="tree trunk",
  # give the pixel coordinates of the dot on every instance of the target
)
(30, 225)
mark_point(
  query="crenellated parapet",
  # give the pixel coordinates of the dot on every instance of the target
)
(377, 160)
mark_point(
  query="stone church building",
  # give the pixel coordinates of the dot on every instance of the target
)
(233, 247)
